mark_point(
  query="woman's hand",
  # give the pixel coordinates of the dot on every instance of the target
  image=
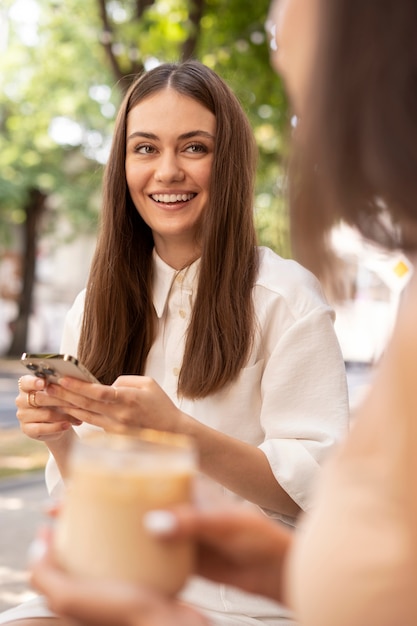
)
(131, 402)
(108, 602)
(41, 416)
(237, 545)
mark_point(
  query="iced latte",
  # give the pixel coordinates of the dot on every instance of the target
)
(113, 481)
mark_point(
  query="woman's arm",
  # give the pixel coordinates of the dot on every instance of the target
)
(140, 402)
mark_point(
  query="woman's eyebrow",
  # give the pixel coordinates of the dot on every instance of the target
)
(189, 135)
(196, 133)
(139, 133)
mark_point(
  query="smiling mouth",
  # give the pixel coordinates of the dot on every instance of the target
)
(172, 198)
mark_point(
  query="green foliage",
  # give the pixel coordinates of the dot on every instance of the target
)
(47, 77)
(62, 79)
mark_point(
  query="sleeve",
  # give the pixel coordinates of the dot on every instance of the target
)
(69, 345)
(305, 408)
(72, 326)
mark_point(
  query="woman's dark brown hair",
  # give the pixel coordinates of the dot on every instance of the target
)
(356, 159)
(118, 323)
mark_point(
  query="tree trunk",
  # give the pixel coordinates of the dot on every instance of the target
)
(195, 15)
(34, 209)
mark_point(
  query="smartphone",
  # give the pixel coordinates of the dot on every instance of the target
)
(52, 367)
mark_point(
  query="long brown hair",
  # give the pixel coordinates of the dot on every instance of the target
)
(118, 323)
(356, 159)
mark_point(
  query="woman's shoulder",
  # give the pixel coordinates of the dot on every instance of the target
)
(77, 307)
(287, 278)
(72, 325)
(273, 268)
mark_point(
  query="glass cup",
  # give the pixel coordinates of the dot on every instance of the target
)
(113, 481)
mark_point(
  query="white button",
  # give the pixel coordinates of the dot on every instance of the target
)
(182, 313)
(176, 371)
(180, 279)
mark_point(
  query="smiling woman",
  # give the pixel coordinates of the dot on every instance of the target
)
(169, 156)
(197, 329)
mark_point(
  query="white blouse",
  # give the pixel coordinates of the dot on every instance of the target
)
(290, 400)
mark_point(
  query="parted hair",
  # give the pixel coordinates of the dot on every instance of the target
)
(119, 320)
(356, 158)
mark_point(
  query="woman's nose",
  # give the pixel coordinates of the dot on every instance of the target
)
(168, 169)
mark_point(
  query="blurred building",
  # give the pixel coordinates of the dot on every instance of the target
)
(364, 321)
(61, 272)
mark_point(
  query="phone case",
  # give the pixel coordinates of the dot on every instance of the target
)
(55, 366)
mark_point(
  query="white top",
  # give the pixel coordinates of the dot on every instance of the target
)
(290, 400)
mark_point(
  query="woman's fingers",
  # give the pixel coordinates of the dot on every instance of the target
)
(113, 408)
(73, 389)
(131, 402)
(236, 544)
(41, 417)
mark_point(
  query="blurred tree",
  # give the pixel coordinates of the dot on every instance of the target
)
(64, 68)
(53, 126)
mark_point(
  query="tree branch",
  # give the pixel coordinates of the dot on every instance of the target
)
(141, 6)
(107, 40)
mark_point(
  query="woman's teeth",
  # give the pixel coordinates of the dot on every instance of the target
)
(172, 197)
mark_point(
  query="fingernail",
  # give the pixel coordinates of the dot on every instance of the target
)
(40, 383)
(36, 550)
(160, 522)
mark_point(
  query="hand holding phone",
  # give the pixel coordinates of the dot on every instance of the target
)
(52, 367)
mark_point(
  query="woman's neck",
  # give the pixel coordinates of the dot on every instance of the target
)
(178, 257)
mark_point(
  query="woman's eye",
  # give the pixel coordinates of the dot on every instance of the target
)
(196, 148)
(144, 149)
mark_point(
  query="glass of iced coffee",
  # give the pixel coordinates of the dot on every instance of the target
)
(113, 481)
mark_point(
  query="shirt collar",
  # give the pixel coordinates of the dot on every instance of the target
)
(163, 278)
